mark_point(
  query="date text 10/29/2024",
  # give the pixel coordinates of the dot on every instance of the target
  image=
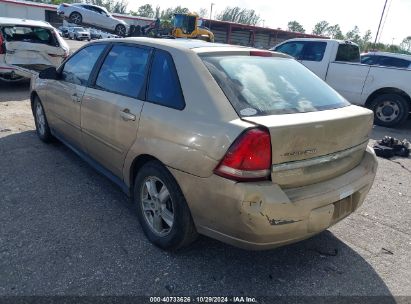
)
(240, 299)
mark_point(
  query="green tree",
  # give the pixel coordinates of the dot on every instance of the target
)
(294, 26)
(239, 15)
(203, 12)
(168, 13)
(334, 32)
(321, 28)
(354, 35)
(406, 44)
(145, 10)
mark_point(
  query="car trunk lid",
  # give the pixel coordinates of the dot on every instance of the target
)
(311, 147)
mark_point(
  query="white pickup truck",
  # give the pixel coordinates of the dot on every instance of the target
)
(385, 90)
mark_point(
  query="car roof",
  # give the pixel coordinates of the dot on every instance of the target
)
(181, 44)
(388, 54)
(24, 22)
(321, 40)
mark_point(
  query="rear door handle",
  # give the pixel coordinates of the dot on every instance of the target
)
(75, 98)
(126, 115)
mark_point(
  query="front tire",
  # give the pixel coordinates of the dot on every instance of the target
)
(162, 209)
(40, 120)
(120, 30)
(76, 18)
(390, 110)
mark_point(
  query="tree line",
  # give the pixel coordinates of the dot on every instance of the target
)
(323, 28)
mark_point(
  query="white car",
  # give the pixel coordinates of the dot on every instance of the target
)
(29, 45)
(385, 90)
(82, 13)
(79, 33)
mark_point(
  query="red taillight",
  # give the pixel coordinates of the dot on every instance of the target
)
(261, 53)
(2, 49)
(249, 157)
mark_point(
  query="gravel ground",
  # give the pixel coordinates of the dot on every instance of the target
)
(66, 230)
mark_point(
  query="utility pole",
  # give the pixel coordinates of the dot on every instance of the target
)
(379, 25)
(211, 14)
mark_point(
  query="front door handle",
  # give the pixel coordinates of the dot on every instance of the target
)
(126, 115)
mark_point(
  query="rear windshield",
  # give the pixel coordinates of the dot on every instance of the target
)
(29, 34)
(258, 86)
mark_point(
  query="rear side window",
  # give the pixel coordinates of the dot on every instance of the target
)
(258, 86)
(123, 70)
(314, 51)
(394, 62)
(164, 86)
(348, 53)
(78, 68)
(30, 34)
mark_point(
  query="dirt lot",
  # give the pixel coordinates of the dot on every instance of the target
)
(66, 230)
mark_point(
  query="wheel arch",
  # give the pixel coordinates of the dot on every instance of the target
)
(136, 165)
(33, 96)
(387, 90)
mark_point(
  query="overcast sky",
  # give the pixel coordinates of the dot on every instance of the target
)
(347, 13)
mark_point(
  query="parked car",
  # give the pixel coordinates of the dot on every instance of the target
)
(79, 33)
(98, 34)
(384, 90)
(82, 13)
(243, 145)
(28, 44)
(387, 59)
(64, 31)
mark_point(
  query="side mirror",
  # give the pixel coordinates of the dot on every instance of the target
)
(49, 73)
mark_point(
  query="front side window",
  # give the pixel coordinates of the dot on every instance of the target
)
(259, 86)
(369, 59)
(394, 62)
(123, 70)
(348, 53)
(164, 85)
(78, 68)
(293, 48)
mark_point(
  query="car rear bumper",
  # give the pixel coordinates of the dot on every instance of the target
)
(261, 215)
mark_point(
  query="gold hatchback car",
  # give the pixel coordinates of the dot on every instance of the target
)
(243, 145)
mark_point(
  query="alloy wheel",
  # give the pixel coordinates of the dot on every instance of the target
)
(157, 206)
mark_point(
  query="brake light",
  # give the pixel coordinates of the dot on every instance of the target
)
(248, 158)
(261, 53)
(2, 48)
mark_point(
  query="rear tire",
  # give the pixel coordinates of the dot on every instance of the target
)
(120, 30)
(162, 209)
(76, 18)
(40, 120)
(390, 110)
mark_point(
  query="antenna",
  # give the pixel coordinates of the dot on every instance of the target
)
(379, 25)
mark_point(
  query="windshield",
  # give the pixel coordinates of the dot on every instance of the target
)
(79, 29)
(258, 86)
(29, 34)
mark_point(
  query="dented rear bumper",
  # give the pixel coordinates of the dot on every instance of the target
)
(261, 215)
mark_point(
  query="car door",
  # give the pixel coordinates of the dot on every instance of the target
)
(314, 57)
(65, 94)
(99, 17)
(111, 107)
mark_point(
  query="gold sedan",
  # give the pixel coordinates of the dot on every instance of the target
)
(242, 145)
